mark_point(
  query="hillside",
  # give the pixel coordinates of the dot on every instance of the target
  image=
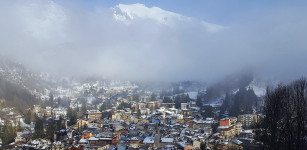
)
(15, 95)
(18, 74)
(19, 87)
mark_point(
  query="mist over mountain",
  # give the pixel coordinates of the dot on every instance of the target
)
(137, 42)
(18, 74)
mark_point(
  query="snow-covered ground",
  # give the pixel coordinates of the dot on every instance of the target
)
(258, 87)
(218, 100)
(259, 91)
(192, 95)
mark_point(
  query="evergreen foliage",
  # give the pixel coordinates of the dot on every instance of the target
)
(83, 101)
(19, 127)
(199, 102)
(167, 100)
(244, 99)
(39, 128)
(136, 97)
(181, 99)
(124, 105)
(110, 113)
(138, 114)
(153, 97)
(232, 82)
(72, 116)
(28, 117)
(51, 98)
(8, 133)
(50, 133)
(104, 115)
(16, 96)
(59, 101)
(226, 104)
(208, 112)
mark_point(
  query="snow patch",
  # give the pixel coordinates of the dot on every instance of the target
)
(192, 95)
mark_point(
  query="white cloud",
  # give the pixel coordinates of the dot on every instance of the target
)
(154, 45)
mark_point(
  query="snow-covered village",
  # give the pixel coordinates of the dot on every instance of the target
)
(153, 75)
(114, 114)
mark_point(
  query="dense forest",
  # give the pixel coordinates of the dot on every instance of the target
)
(228, 85)
(237, 98)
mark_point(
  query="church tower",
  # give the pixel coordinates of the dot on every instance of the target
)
(157, 136)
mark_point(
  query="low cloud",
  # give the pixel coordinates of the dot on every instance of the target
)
(69, 40)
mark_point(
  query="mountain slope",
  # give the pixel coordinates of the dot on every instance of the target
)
(129, 13)
(14, 95)
(16, 73)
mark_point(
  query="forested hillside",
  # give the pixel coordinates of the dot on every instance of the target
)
(16, 96)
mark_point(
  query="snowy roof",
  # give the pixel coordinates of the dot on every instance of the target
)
(236, 141)
(149, 140)
(83, 140)
(92, 126)
(135, 138)
(93, 111)
(93, 139)
(169, 112)
(182, 144)
(105, 138)
(246, 131)
(209, 119)
(167, 140)
(203, 121)
(224, 127)
(57, 143)
(224, 143)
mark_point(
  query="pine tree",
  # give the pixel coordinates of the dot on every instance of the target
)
(28, 117)
(9, 133)
(83, 108)
(225, 103)
(50, 133)
(44, 117)
(187, 98)
(103, 107)
(153, 97)
(19, 128)
(208, 112)
(139, 113)
(50, 97)
(39, 129)
(59, 101)
(69, 112)
(199, 102)
(73, 117)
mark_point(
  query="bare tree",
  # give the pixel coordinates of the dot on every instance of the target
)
(285, 111)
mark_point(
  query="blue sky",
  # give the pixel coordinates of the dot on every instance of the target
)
(213, 11)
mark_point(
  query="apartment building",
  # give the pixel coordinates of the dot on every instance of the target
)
(248, 119)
